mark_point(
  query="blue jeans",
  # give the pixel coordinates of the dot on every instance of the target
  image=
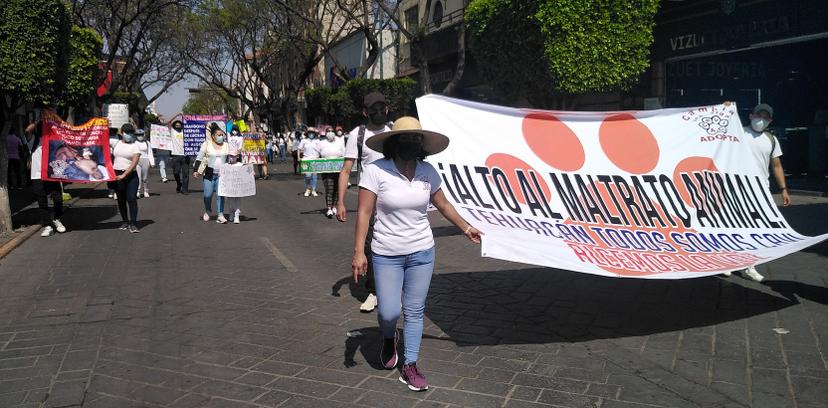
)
(406, 278)
(210, 187)
(282, 153)
(270, 155)
(310, 181)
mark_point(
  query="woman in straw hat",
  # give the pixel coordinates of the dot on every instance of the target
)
(396, 191)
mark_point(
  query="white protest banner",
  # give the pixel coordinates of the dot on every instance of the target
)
(237, 181)
(117, 113)
(160, 137)
(664, 194)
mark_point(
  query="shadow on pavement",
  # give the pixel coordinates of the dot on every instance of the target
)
(367, 341)
(357, 290)
(793, 291)
(544, 306)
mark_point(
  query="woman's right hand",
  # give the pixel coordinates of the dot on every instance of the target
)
(359, 265)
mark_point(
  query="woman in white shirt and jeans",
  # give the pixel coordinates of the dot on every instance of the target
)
(125, 157)
(399, 188)
(213, 153)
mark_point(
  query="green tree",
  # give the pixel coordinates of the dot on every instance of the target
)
(207, 101)
(561, 47)
(343, 105)
(33, 66)
(84, 55)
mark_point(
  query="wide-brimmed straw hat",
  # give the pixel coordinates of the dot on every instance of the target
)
(433, 142)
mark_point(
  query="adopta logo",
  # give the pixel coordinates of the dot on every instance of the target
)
(713, 121)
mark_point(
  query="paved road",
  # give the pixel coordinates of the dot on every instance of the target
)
(194, 314)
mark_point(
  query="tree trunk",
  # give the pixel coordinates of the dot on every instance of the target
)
(451, 88)
(5, 207)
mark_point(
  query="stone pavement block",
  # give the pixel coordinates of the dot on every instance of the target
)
(229, 390)
(23, 384)
(78, 360)
(446, 367)
(157, 395)
(771, 400)
(484, 387)
(737, 392)
(379, 399)
(524, 404)
(463, 398)
(112, 386)
(810, 390)
(19, 362)
(346, 394)
(566, 399)
(766, 357)
(256, 378)
(328, 375)
(213, 371)
(12, 398)
(625, 404)
(107, 401)
(729, 371)
(603, 390)
(25, 352)
(66, 394)
(278, 367)
(305, 387)
(224, 403)
(558, 384)
(582, 374)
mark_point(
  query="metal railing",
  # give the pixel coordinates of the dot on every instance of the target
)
(448, 20)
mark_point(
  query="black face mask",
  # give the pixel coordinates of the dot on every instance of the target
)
(378, 117)
(409, 150)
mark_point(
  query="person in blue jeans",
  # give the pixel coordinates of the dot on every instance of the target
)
(211, 156)
(396, 191)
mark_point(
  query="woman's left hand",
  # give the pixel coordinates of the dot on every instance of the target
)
(473, 234)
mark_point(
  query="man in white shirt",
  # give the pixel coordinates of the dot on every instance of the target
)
(766, 151)
(375, 111)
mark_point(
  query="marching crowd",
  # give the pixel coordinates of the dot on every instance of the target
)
(394, 249)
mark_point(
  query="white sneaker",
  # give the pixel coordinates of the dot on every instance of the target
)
(205, 217)
(313, 193)
(307, 193)
(164, 180)
(727, 274)
(146, 194)
(111, 195)
(330, 213)
(220, 219)
(753, 274)
(114, 196)
(59, 226)
(236, 219)
(369, 304)
(333, 210)
(47, 231)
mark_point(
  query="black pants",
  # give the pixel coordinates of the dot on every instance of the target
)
(181, 171)
(369, 276)
(15, 174)
(42, 190)
(295, 161)
(127, 190)
(331, 182)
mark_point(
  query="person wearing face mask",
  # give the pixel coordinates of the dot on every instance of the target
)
(375, 112)
(308, 150)
(295, 141)
(234, 203)
(330, 147)
(395, 191)
(147, 161)
(180, 162)
(125, 157)
(211, 156)
(767, 153)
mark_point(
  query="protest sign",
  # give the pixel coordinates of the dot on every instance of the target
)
(665, 194)
(237, 181)
(331, 165)
(254, 148)
(177, 143)
(75, 153)
(117, 113)
(160, 137)
(195, 131)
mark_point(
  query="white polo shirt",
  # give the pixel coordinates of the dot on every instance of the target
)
(401, 224)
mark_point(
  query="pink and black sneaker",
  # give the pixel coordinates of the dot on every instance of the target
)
(388, 353)
(411, 375)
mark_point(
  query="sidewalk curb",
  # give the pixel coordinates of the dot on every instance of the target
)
(27, 233)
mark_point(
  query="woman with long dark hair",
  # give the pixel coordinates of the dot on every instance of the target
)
(211, 156)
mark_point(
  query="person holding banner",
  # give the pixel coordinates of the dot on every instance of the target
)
(309, 150)
(211, 156)
(147, 161)
(43, 189)
(125, 157)
(330, 147)
(396, 192)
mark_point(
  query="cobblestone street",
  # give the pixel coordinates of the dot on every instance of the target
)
(264, 314)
